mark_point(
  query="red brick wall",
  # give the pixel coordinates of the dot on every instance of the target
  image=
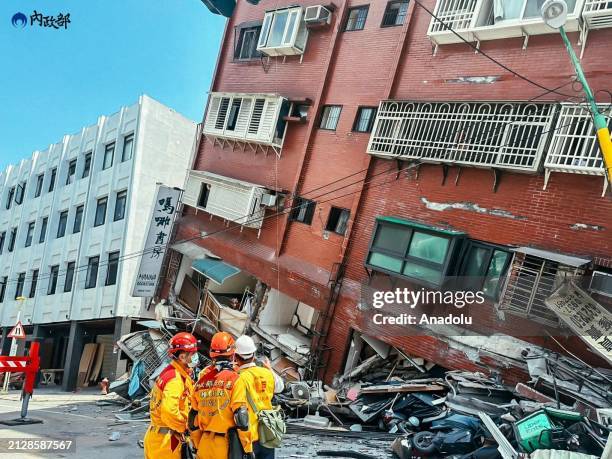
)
(361, 72)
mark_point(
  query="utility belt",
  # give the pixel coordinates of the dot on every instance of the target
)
(216, 434)
(162, 430)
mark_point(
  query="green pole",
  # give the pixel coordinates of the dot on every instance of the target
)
(600, 122)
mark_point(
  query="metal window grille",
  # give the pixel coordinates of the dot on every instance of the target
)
(395, 14)
(481, 134)
(356, 18)
(530, 281)
(456, 14)
(330, 117)
(574, 147)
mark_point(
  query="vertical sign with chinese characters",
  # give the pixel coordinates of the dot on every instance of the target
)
(158, 237)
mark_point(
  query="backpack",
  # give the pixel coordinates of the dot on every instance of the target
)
(270, 424)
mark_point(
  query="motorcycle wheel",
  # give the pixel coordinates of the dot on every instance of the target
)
(423, 442)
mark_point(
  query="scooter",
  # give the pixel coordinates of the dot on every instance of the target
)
(454, 435)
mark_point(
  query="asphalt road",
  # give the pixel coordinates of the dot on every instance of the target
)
(76, 417)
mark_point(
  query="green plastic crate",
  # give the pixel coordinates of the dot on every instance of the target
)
(533, 432)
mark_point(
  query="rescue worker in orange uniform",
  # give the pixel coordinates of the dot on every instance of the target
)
(170, 400)
(219, 406)
(261, 383)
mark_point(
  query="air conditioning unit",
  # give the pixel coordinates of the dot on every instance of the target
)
(317, 15)
(601, 282)
(268, 200)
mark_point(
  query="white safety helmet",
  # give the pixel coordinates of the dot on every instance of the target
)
(245, 347)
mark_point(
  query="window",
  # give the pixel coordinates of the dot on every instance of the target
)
(412, 250)
(120, 200)
(283, 32)
(92, 272)
(232, 119)
(9, 198)
(61, 225)
(128, 148)
(12, 239)
(330, 116)
(484, 267)
(78, 219)
(52, 180)
(356, 18)
(2, 238)
(365, 119)
(109, 153)
(29, 234)
(100, 217)
(337, 220)
(69, 276)
(71, 171)
(303, 210)
(113, 265)
(34, 283)
(20, 282)
(20, 193)
(87, 165)
(53, 280)
(203, 197)
(43, 230)
(395, 14)
(3, 288)
(531, 280)
(39, 185)
(246, 46)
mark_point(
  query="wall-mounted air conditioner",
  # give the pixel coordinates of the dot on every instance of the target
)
(601, 282)
(317, 15)
(283, 32)
(268, 200)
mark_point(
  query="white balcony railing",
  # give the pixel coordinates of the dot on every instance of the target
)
(480, 134)
(597, 13)
(476, 20)
(248, 118)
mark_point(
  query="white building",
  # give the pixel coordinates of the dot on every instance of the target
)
(71, 217)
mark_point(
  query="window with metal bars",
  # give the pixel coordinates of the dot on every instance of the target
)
(502, 135)
(395, 13)
(356, 18)
(364, 121)
(337, 220)
(530, 281)
(330, 116)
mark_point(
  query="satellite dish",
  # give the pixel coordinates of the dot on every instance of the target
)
(300, 390)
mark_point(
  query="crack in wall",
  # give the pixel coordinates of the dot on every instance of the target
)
(470, 207)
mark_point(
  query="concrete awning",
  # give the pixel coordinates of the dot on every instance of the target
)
(568, 260)
(215, 270)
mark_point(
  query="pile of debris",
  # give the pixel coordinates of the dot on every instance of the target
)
(424, 411)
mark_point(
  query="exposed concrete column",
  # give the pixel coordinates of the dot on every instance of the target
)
(73, 356)
(123, 326)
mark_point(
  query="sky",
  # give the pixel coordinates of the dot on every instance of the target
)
(55, 81)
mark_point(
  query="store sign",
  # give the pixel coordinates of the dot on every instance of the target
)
(158, 237)
(585, 316)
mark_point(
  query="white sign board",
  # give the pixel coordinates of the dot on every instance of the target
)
(585, 316)
(158, 237)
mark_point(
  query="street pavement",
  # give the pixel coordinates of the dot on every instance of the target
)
(76, 417)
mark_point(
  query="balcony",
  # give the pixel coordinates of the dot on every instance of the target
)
(597, 14)
(236, 201)
(574, 147)
(248, 120)
(479, 20)
(478, 134)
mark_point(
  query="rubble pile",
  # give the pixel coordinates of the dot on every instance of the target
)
(424, 411)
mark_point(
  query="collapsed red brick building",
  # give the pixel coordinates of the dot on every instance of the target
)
(337, 136)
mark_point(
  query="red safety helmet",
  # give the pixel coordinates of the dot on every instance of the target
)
(222, 345)
(184, 342)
